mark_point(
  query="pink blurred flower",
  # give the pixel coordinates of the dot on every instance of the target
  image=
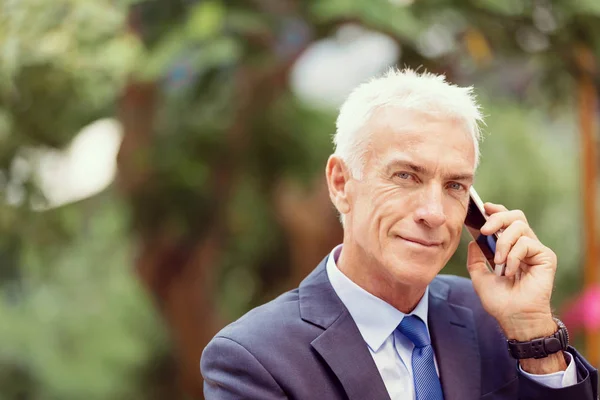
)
(583, 312)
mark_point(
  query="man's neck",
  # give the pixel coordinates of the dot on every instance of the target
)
(372, 277)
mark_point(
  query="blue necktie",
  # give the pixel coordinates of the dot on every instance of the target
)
(427, 383)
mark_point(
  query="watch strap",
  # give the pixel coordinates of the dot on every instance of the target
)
(537, 348)
(541, 347)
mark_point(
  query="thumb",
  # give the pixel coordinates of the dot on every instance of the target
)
(476, 265)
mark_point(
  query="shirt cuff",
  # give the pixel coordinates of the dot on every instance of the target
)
(558, 379)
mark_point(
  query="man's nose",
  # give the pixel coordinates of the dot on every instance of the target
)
(430, 210)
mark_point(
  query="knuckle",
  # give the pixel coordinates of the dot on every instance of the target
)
(522, 225)
(520, 215)
(523, 241)
(553, 256)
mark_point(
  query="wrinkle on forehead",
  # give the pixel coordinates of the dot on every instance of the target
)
(430, 138)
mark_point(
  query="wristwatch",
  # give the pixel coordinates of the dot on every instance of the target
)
(542, 347)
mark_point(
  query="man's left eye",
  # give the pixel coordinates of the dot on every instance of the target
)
(455, 186)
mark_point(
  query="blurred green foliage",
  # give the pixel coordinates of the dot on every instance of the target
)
(61, 67)
(77, 325)
(75, 322)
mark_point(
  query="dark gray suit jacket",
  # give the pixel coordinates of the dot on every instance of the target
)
(305, 345)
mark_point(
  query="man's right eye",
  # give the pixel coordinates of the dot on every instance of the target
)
(403, 175)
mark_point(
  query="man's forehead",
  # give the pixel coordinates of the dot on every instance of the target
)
(423, 160)
(421, 136)
(418, 130)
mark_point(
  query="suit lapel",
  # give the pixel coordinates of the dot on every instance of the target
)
(340, 345)
(455, 343)
(344, 350)
(452, 329)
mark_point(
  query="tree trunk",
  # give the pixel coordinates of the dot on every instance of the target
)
(177, 271)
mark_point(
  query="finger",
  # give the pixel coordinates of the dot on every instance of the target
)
(476, 265)
(508, 238)
(502, 220)
(523, 249)
(518, 274)
(492, 208)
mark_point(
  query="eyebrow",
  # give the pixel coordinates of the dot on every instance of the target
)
(422, 170)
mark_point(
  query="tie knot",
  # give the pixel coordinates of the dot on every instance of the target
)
(415, 329)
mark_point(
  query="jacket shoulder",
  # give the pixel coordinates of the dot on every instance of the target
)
(266, 323)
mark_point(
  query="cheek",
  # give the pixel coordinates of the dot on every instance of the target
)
(363, 212)
(370, 198)
(456, 220)
(376, 212)
(387, 205)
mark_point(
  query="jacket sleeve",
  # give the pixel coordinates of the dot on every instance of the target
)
(586, 387)
(230, 371)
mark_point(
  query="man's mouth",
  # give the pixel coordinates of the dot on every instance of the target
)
(422, 242)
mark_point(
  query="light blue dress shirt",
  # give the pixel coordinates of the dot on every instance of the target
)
(391, 350)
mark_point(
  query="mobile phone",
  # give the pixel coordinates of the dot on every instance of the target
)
(475, 219)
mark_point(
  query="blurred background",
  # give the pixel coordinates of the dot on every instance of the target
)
(162, 164)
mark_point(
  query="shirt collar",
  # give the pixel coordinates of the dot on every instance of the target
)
(376, 319)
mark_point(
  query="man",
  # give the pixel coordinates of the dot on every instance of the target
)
(375, 320)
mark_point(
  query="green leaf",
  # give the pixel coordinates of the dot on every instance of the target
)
(585, 7)
(506, 7)
(383, 16)
(206, 20)
(159, 59)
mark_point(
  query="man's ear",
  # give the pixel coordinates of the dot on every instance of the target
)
(338, 176)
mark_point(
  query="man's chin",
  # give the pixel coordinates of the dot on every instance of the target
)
(414, 272)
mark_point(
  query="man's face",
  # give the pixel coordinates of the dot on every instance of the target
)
(408, 208)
